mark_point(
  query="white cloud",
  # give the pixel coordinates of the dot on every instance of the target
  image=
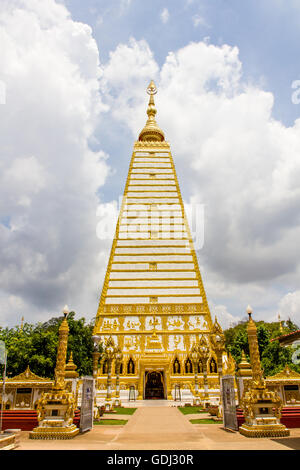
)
(289, 306)
(225, 318)
(165, 15)
(199, 20)
(230, 153)
(50, 254)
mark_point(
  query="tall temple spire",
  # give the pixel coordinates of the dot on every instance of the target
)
(153, 302)
(151, 131)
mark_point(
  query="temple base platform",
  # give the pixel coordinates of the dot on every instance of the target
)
(63, 432)
(267, 430)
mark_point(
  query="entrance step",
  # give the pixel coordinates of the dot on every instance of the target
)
(150, 403)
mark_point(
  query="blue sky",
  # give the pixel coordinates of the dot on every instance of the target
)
(266, 33)
(75, 75)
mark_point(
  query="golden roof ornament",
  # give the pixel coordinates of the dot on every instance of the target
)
(151, 131)
(70, 369)
(153, 342)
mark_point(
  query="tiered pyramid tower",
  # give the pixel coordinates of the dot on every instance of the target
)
(153, 302)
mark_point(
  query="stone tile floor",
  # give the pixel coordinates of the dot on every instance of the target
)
(161, 428)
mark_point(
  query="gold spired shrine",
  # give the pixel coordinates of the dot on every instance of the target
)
(153, 303)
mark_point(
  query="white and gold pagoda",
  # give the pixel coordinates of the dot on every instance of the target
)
(153, 303)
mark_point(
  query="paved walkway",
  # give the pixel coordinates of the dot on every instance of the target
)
(162, 428)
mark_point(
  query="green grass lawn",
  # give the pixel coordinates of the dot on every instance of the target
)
(111, 422)
(119, 410)
(205, 421)
(191, 410)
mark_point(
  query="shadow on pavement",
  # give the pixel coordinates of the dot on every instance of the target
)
(291, 442)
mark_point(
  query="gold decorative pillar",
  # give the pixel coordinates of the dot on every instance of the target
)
(168, 382)
(204, 355)
(96, 356)
(59, 374)
(109, 356)
(261, 406)
(119, 357)
(56, 407)
(195, 356)
(141, 383)
(218, 340)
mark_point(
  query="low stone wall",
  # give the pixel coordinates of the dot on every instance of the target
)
(26, 420)
(290, 416)
(7, 441)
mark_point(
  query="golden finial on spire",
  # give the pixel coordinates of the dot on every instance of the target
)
(151, 131)
(22, 323)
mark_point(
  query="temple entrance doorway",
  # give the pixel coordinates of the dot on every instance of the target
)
(154, 385)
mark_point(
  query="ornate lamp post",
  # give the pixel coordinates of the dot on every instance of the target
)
(204, 355)
(195, 356)
(96, 354)
(218, 340)
(59, 373)
(118, 358)
(109, 356)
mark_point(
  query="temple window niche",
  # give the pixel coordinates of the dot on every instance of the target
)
(105, 367)
(188, 366)
(212, 366)
(130, 366)
(176, 366)
(200, 367)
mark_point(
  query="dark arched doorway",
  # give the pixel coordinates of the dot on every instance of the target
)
(154, 388)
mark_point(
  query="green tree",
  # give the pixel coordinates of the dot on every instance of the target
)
(36, 346)
(273, 356)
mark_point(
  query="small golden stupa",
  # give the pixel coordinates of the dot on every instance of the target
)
(257, 401)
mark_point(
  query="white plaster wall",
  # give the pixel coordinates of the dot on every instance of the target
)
(147, 176)
(153, 283)
(150, 165)
(158, 193)
(146, 171)
(134, 187)
(152, 258)
(151, 182)
(152, 275)
(180, 300)
(152, 250)
(154, 291)
(151, 159)
(148, 243)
